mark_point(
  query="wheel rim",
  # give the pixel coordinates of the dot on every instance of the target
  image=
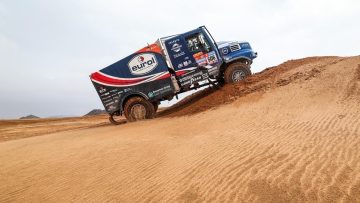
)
(138, 112)
(238, 75)
(116, 119)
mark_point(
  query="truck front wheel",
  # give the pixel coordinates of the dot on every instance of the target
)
(138, 108)
(236, 72)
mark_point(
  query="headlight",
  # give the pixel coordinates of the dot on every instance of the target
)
(245, 45)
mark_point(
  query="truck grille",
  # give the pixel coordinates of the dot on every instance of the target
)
(234, 47)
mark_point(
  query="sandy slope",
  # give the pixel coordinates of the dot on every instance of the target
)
(292, 137)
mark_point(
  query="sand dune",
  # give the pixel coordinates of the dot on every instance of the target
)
(288, 134)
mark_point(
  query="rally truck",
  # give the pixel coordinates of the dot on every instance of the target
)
(135, 85)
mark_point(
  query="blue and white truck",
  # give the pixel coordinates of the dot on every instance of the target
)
(135, 85)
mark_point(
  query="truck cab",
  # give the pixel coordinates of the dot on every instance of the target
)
(197, 48)
(192, 49)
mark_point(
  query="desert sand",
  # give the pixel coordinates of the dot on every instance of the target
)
(288, 134)
(22, 128)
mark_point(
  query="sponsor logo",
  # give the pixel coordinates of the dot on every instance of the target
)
(225, 51)
(142, 64)
(159, 91)
(195, 79)
(204, 76)
(151, 94)
(102, 90)
(179, 55)
(176, 47)
(109, 104)
(140, 59)
(190, 76)
(105, 94)
(110, 108)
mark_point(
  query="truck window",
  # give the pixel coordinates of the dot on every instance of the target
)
(201, 50)
(198, 43)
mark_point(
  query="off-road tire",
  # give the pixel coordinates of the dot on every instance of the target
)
(236, 72)
(138, 108)
(113, 119)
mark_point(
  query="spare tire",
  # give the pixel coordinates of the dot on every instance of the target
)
(138, 108)
(236, 72)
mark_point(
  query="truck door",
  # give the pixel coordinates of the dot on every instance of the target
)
(179, 54)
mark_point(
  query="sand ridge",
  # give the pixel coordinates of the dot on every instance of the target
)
(295, 139)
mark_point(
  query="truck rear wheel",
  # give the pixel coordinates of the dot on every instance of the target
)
(236, 72)
(138, 108)
(116, 119)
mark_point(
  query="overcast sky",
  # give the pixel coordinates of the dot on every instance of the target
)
(49, 48)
